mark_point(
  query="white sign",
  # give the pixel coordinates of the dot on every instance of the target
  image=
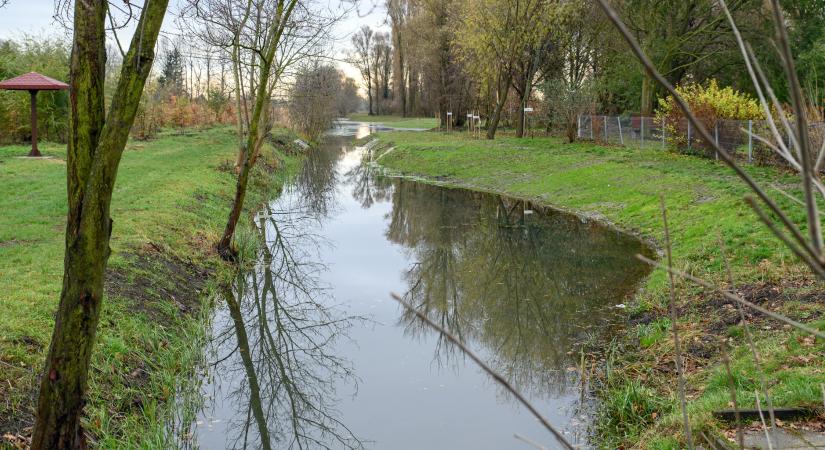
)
(528, 109)
(477, 117)
(449, 114)
(470, 116)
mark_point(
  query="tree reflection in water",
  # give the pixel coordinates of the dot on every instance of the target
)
(368, 185)
(526, 284)
(284, 333)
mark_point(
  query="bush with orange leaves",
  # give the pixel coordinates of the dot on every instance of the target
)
(180, 113)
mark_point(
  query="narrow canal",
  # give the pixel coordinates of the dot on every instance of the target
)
(308, 350)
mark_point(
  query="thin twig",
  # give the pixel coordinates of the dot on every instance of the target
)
(674, 324)
(762, 418)
(797, 101)
(733, 297)
(495, 375)
(791, 197)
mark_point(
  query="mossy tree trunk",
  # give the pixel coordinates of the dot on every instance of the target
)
(96, 143)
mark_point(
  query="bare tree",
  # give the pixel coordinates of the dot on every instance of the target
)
(361, 58)
(313, 99)
(264, 39)
(381, 62)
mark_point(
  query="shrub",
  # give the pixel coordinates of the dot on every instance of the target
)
(710, 104)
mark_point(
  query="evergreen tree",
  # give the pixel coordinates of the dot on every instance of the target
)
(171, 78)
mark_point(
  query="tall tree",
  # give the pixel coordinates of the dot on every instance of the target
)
(96, 142)
(171, 75)
(381, 63)
(685, 37)
(398, 11)
(361, 58)
(494, 37)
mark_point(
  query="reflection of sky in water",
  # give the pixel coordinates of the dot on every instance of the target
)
(413, 391)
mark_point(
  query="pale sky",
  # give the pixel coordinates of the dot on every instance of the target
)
(36, 17)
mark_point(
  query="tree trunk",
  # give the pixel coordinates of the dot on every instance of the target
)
(96, 145)
(254, 142)
(646, 102)
(501, 98)
(521, 116)
(369, 96)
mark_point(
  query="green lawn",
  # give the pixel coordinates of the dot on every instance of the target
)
(169, 206)
(704, 199)
(397, 121)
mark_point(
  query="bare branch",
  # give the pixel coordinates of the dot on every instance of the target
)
(674, 324)
(495, 375)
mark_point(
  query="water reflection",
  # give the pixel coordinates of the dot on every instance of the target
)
(524, 283)
(278, 351)
(368, 185)
(316, 181)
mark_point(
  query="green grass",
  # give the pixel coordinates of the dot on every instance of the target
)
(397, 121)
(704, 199)
(171, 194)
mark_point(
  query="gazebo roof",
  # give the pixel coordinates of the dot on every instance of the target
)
(33, 81)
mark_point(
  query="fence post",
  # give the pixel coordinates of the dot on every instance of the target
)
(716, 131)
(619, 121)
(642, 120)
(579, 126)
(591, 128)
(688, 135)
(663, 133)
(750, 141)
(604, 119)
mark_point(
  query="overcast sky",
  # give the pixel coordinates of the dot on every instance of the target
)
(36, 17)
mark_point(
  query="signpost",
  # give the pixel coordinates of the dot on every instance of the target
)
(449, 120)
(527, 118)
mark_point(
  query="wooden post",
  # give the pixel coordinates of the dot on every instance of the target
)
(35, 152)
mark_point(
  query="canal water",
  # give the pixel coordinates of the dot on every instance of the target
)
(308, 350)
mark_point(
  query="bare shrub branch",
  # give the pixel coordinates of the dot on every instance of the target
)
(674, 324)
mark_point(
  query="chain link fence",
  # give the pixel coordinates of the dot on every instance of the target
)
(737, 137)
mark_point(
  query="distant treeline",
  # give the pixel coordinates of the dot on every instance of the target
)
(494, 57)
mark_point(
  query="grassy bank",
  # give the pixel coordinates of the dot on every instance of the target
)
(169, 207)
(704, 199)
(397, 121)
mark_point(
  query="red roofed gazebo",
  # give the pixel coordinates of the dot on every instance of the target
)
(33, 82)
